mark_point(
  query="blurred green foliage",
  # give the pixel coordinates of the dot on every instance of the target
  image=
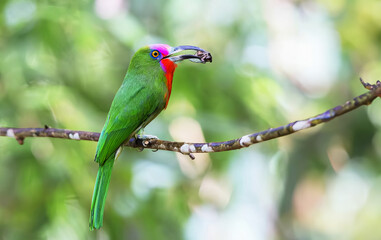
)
(274, 62)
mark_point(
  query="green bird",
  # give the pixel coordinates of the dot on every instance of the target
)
(143, 95)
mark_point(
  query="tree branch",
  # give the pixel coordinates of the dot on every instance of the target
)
(188, 148)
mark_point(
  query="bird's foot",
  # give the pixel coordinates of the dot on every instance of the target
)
(146, 138)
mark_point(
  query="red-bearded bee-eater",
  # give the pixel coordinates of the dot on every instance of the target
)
(143, 95)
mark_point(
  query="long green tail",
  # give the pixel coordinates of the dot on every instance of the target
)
(100, 193)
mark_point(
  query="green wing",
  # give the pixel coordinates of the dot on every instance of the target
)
(133, 107)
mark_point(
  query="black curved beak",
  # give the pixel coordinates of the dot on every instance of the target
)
(200, 56)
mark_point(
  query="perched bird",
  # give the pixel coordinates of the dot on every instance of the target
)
(143, 95)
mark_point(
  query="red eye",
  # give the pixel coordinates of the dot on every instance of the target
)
(155, 54)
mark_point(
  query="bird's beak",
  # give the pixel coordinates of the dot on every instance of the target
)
(200, 56)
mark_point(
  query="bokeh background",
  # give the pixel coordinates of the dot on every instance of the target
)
(274, 62)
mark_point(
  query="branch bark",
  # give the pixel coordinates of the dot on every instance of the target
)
(188, 148)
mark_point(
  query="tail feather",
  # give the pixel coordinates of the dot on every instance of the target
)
(100, 193)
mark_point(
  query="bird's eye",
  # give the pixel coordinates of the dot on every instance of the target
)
(155, 54)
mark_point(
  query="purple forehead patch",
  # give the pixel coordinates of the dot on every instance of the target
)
(163, 48)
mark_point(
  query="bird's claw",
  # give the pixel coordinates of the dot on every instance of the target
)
(146, 139)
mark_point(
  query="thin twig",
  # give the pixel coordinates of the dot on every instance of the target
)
(188, 148)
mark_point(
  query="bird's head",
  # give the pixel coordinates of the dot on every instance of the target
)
(161, 59)
(166, 56)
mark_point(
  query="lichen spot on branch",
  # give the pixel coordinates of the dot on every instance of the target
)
(300, 125)
(74, 136)
(245, 141)
(206, 148)
(10, 133)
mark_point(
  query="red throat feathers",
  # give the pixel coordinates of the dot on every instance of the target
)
(168, 68)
